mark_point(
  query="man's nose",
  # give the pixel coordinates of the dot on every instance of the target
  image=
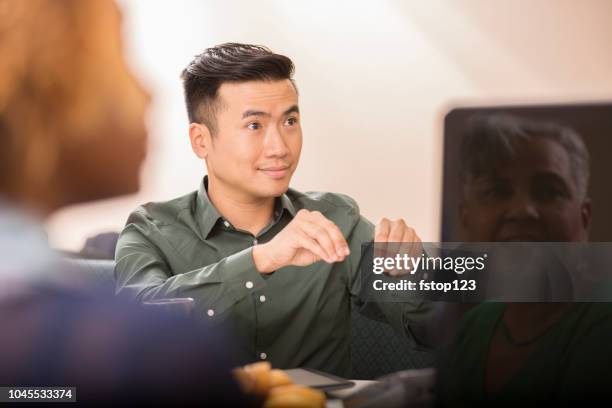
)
(274, 143)
(522, 207)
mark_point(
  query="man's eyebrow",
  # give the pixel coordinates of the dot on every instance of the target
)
(293, 109)
(248, 113)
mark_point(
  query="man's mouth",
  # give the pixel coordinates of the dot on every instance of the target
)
(275, 172)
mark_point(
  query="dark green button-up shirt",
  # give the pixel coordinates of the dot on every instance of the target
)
(294, 317)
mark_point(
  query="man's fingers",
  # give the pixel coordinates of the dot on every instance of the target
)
(413, 242)
(320, 235)
(324, 233)
(381, 235)
(381, 231)
(341, 247)
(410, 235)
(395, 237)
(396, 230)
(396, 233)
(312, 246)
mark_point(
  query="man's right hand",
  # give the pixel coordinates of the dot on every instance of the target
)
(308, 238)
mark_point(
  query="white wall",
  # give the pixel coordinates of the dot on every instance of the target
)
(375, 80)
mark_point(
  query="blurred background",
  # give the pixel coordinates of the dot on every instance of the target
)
(375, 78)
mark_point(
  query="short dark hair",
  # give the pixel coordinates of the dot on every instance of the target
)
(229, 62)
(491, 139)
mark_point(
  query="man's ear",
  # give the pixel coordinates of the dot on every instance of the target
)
(201, 139)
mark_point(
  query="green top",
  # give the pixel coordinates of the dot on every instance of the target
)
(571, 362)
(294, 317)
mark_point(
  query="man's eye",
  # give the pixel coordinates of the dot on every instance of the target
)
(291, 121)
(254, 126)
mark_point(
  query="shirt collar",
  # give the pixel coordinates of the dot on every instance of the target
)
(207, 216)
(285, 204)
(206, 213)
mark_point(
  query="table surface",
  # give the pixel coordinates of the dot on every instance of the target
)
(333, 400)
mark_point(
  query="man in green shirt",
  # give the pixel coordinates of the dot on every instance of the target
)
(282, 267)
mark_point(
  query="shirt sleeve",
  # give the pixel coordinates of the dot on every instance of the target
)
(142, 273)
(409, 318)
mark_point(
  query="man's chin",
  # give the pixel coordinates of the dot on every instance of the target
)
(275, 189)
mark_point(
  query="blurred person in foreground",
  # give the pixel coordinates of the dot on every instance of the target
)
(280, 265)
(72, 130)
(526, 181)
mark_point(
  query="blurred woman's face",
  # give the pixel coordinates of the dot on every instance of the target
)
(532, 198)
(103, 157)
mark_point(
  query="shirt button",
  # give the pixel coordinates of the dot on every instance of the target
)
(249, 285)
(210, 312)
(226, 223)
(255, 242)
(262, 298)
(263, 356)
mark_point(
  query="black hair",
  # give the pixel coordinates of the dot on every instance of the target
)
(229, 62)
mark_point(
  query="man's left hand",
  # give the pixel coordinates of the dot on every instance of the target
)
(396, 237)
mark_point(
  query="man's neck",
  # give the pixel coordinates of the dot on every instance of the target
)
(243, 212)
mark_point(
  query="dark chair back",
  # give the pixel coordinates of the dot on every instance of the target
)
(377, 350)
